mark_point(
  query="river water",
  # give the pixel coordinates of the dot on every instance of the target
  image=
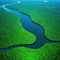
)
(30, 26)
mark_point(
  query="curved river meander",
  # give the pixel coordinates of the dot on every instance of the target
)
(30, 26)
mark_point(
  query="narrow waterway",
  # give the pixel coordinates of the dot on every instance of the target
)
(30, 26)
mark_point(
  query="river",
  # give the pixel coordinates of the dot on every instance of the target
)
(30, 26)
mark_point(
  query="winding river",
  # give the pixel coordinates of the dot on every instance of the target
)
(30, 26)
